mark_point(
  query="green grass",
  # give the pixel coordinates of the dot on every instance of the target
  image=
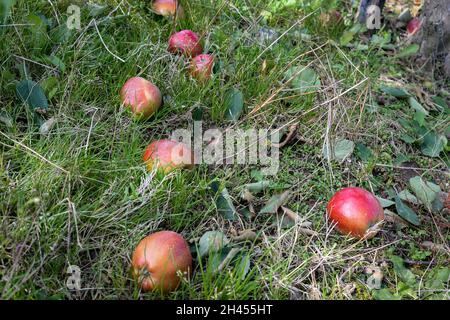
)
(94, 211)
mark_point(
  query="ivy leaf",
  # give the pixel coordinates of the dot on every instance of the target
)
(303, 79)
(363, 152)
(256, 187)
(410, 50)
(343, 149)
(405, 195)
(417, 106)
(406, 212)
(426, 192)
(384, 294)
(212, 241)
(243, 267)
(403, 273)
(275, 202)
(32, 94)
(234, 104)
(433, 144)
(57, 62)
(385, 203)
(197, 114)
(441, 104)
(224, 202)
(395, 92)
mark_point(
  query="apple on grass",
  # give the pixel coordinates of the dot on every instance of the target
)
(158, 259)
(356, 212)
(141, 96)
(167, 8)
(186, 42)
(168, 155)
(201, 67)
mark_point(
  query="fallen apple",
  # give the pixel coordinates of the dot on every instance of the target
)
(186, 42)
(157, 260)
(141, 96)
(168, 155)
(201, 66)
(168, 8)
(413, 26)
(356, 212)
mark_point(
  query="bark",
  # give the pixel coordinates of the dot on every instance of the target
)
(434, 33)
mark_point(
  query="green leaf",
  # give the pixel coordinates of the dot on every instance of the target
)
(426, 192)
(343, 149)
(438, 279)
(395, 92)
(417, 106)
(38, 29)
(408, 139)
(346, 37)
(303, 79)
(57, 62)
(402, 272)
(275, 202)
(224, 202)
(385, 202)
(61, 33)
(363, 152)
(401, 158)
(5, 9)
(442, 105)
(410, 50)
(406, 212)
(32, 94)
(212, 241)
(405, 195)
(419, 117)
(243, 267)
(384, 294)
(234, 104)
(197, 114)
(256, 187)
(433, 144)
(96, 10)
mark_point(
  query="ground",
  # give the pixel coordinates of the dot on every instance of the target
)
(79, 194)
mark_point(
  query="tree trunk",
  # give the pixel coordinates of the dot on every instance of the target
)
(434, 33)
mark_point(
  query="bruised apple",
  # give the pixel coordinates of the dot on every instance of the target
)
(168, 155)
(201, 66)
(141, 96)
(186, 42)
(168, 8)
(157, 260)
(355, 212)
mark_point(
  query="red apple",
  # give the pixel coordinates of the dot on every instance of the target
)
(355, 212)
(413, 26)
(168, 8)
(157, 260)
(141, 96)
(186, 42)
(168, 155)
(201, 66)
